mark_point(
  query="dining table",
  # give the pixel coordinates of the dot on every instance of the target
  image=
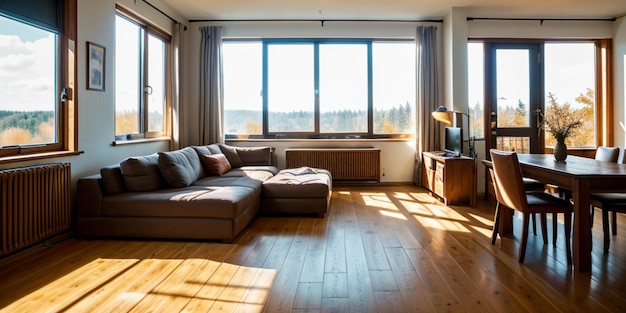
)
(582, 176)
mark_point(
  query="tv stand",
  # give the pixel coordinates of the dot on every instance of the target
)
(450, 178)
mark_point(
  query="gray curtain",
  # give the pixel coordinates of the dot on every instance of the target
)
(211, 102)
(428, 132)
(176, 61)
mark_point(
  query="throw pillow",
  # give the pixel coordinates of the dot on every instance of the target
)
(180, 168)
(142, 173)
(215, 164)
(232, 155)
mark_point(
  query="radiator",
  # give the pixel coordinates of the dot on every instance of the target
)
(34, 205)
(356, 164)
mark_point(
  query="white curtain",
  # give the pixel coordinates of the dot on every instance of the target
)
(176, 61)
(211, 86)
(428, 132)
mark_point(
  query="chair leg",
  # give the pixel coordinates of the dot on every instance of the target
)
(568, 232)
(605, 230)
(534, 224)
(544, 227)
(496, 224)
(614, 223)
(522, 246)
(555, 219)
(591, 214)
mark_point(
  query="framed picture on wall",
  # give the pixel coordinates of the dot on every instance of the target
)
(95, 66)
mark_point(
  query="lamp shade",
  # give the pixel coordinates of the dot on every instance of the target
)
(443, 115)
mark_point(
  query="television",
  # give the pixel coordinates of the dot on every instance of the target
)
(453, 141)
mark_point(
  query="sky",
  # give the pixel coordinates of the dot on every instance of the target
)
(26, 67)
(343, 82)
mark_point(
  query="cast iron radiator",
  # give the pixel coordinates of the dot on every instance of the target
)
(349, 164)
(34, 205)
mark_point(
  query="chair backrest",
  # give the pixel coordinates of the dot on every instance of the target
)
(608, 154)
(508, 180)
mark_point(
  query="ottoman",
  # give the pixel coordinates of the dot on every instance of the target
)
(298, 191)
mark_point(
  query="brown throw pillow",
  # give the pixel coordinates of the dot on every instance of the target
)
(215, 164)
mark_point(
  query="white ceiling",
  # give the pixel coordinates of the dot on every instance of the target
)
(392, 9)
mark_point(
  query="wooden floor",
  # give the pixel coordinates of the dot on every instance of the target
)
(379, 249)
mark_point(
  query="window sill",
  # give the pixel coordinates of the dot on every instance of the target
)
(37, 156)
(138, 141)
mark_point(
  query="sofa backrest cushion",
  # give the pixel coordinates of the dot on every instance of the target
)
(142, 173)
(255, 155)
(112, 180)
(180, 168)
(207, 150)
(231, 154)
(215, 164)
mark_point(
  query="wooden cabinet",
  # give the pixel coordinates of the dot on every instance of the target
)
(452, 179)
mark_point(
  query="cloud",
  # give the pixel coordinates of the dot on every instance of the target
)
(27, 73)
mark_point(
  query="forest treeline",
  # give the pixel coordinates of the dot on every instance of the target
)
(26, 127)
(397, 120)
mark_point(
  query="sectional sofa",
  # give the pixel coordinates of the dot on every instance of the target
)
(200, 192)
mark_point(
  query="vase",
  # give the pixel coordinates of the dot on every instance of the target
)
(560, 151)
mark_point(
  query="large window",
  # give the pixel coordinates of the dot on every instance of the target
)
(35, 100)
(140, 80)
(325, 88)
(564, 80)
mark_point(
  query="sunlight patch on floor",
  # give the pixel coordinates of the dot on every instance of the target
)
(180, 284)
(392, 214)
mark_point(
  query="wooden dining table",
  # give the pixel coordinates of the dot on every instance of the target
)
(582, 176)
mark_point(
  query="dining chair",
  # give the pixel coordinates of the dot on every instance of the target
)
(530, 184)
(608, 202)
(510, 192)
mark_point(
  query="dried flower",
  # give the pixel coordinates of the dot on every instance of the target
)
(560, 121)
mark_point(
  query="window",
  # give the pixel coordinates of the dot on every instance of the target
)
(570, 81)
(140, 80)
(291, 98)
(319, 89)
(476, 88)
(33, 77)
(568, 75)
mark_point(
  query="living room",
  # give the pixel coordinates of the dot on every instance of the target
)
(91, 144)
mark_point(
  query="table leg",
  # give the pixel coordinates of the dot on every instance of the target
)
(581, 239)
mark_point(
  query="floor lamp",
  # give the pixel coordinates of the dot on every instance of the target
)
(450, 118)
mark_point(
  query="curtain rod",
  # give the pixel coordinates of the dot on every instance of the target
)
(160, 11)
(543, 19)
(322, 21)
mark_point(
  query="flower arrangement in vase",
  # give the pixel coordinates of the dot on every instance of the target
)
(560, 122)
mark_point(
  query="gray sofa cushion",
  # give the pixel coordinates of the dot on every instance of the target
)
(207, 150)
(232, 155)
(180, 168)
(255, 156)
(112, 180)
(142, 173)
(214, 202)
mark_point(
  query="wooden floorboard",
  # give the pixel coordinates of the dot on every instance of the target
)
(379, 249)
